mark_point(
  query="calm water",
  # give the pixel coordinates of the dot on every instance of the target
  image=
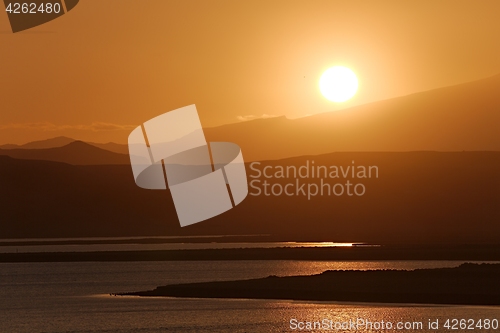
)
(73, 297)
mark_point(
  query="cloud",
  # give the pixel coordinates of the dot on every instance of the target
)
(47, 126)
(252, 117)
(101, 127)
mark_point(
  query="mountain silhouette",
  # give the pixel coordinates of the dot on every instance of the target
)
(42, 144)
(76, 200)
(419, 198)
(63, 141)
(76, 152)
(455, 118)
(111, 146)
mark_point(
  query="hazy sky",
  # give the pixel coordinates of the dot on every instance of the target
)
(110, 65)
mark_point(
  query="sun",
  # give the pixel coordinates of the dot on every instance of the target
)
(338, 84)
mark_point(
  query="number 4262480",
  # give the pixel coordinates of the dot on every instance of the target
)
(33, 8)
(471, 324)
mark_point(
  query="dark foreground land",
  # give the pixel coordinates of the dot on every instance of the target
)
(383, 252)
(471, 284)
(419, 197)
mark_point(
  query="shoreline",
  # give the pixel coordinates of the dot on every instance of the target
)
(135, 240)
(387, 252)
(468, 284)
(293, 301)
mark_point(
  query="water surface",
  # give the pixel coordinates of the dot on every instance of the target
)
(74, 297)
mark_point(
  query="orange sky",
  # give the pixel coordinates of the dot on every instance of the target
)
(109, 65)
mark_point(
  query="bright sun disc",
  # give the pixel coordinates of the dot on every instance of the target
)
(338, 84)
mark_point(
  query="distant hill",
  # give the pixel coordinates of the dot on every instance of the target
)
(456, 118)
(76, 152)
(61, 141)
(45, 198)
(464, 117)
(111, 146)
(42, 144)
(419, 197)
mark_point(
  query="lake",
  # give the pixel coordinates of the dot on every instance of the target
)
(74, 297)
